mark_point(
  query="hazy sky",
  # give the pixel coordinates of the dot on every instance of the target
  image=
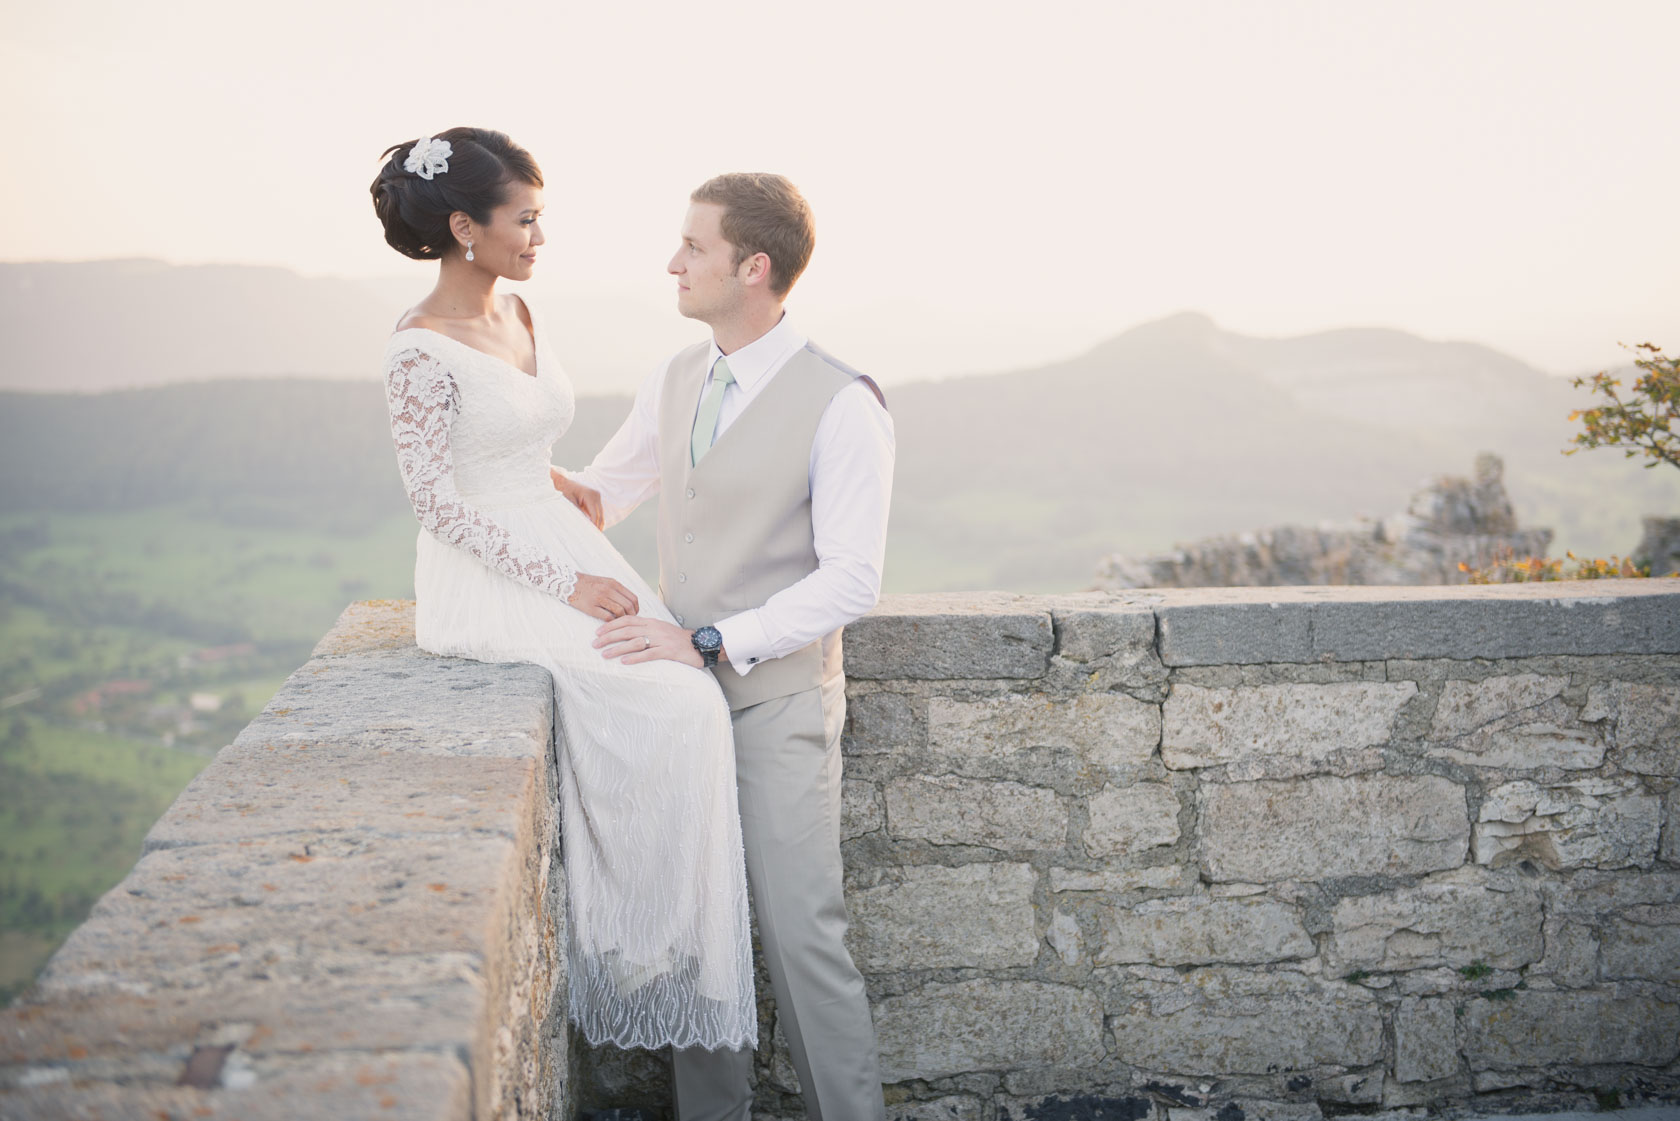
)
(1008, 182)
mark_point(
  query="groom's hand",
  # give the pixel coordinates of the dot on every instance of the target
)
(587, 499)
(636, 638)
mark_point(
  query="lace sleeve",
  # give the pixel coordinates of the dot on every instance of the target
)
(424, 400)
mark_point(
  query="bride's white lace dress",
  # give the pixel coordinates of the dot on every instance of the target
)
(659, 950)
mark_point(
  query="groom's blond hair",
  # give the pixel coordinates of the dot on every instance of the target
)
(764, 213)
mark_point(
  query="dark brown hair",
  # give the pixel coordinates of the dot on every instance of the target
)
(764, 213)
(415, 212)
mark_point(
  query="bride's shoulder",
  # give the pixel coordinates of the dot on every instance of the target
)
(416, 319)
(415, 335)
(413, 351)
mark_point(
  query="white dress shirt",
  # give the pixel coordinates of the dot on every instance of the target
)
(851, 486)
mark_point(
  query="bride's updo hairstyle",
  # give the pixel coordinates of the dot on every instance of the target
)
(415, 211)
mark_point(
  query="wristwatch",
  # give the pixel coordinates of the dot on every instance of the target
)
(708, 641)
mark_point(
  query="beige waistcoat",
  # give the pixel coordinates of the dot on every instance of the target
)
(736, 529)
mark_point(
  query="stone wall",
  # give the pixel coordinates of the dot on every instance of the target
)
(1158, 855)
(354, 911)
(1317, 851)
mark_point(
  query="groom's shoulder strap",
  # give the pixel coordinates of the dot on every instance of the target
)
(845, 369)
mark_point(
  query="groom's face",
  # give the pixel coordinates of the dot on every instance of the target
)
(708, 287)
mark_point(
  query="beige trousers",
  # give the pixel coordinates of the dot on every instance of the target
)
(787, 765)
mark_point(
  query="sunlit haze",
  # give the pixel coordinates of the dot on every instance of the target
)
(996, 185)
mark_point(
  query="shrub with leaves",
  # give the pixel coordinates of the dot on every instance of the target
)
(1511, 569)
(1644, 422)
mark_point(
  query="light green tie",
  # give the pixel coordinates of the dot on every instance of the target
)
(705, 421)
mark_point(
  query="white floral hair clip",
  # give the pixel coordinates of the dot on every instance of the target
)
(428, 158)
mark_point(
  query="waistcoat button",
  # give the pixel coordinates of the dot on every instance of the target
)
(682, 577)
(691, 492)
(688, 537)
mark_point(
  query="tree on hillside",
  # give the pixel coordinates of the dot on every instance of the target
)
(1646, 422)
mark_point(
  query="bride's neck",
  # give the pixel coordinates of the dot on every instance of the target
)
(463, 292)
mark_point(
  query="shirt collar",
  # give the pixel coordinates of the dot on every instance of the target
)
(763, 355)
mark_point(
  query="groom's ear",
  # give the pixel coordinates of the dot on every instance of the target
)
(755, 269)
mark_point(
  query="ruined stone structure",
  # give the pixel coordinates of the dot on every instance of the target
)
(1160, 856)
(1659, 546)
(1451, 520)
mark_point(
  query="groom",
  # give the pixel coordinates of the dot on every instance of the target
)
(773, 465)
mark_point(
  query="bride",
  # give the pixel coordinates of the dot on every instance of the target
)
(508, 569)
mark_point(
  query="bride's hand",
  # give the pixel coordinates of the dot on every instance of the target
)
(603, 597)
(587, 499)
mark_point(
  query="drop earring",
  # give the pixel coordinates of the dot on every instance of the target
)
(469, 251)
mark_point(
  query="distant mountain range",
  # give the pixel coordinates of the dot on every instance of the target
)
(1170, 431)
(90, 326)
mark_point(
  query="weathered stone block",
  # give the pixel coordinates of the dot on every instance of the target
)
(1365, 1088)
(1198, 931)
(286, 907)
(1089, 633)
(405, 702)
(1600, 823)
(1583, 1027)
(1295, 724)
(1075, 1106)
(951, 637)
(1318, 828)
(615, 1074)
(1064, 937)
(1468, 705)
(1643, 944)
(1248, 1109)
(779, 1070)
(1161, 877)
(1646, 721)
(930, 917)
(1571, 953)
(1451, 919)
(956, 811)
(271, 793)
(1404, 1100)
(1517, 743)
(1671, 827)
(1425, 1040)
(953, 1108)
(881, 724)
(1514, 721)
(860, 809)
(1130, 818)
(941, 1030)
(1251, 1036)
(423, 1086)
(1111, 729)
(368, 625)
(426, 1002)
(1234, 626)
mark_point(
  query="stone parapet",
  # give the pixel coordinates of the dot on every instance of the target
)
(354, 911)
(1298, 851)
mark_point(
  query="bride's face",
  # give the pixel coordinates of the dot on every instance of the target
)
(507, 246)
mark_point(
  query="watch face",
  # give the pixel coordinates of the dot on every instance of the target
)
(708, 638)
